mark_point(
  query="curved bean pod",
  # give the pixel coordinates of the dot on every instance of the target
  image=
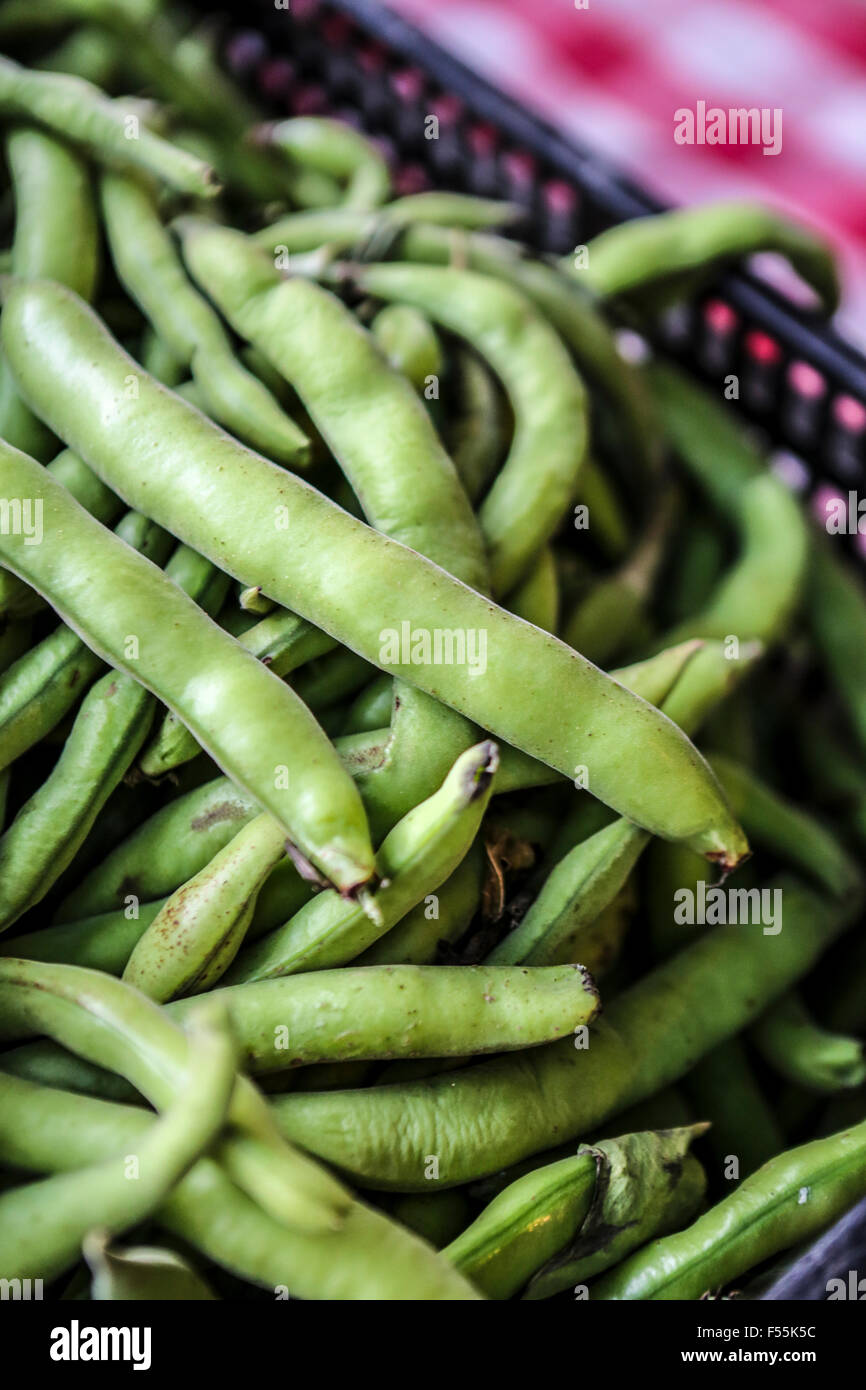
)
(197, 933)
(757, 597)
(586, 333)
(150, 269)
(56, 225)
(647, 250)
(43, 1224)
(798, 1049)
(76, 110)
(336, 149)
(531, 680)
(125, 594)
(56, 235)
(526, 501)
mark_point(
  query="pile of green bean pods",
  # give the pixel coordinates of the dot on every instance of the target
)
(432, 741)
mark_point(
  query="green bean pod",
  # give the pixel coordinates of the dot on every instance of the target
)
(56, 225)
(779, 825)
(477, 436)
(106, 736)
(409, 341)
(51, 826)
(149, 267)
(415, 858)
(791, 1198)
(526, 501)
(367, 1257)
(78, 111)
(757, 597)
(647, 250)
(124, 594)
(795, 1046)
(197, 933)
(388, 1011)
(44, 684)
(342, 228)
(335, 149)
(585, 881)
(43, 1224)
(743, 1126)
(580, 1214)
(166, 850)
(282, 641)
(68, 366)
(56, 236)
(584, 330)
(102, 942)
(486, 1116)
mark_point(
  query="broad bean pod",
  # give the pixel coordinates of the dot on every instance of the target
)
(76, 110)
(149, 267)
(49, 335)
(212, 692)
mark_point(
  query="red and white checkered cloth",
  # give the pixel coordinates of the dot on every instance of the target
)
(614, 74)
